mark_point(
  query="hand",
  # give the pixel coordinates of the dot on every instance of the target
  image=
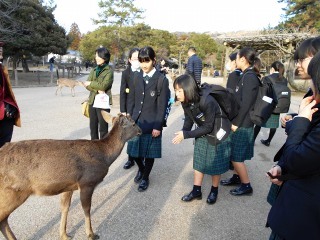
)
(86, 83)
(101, 92)
(155, 133)
(178, 138)
(306, 108)
(285, 119)
(275, 171)
(234, 128)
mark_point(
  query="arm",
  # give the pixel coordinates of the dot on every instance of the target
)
(123, 93)
(162, 103)
(248, 97)
(103, 82)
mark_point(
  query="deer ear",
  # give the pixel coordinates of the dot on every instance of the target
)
(107, 117)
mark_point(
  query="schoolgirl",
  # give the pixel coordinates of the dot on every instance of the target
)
(147, 107)
(126, 88)
(242, 137)
(210, 157)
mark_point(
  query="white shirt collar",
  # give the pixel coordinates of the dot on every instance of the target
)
(150, 74)
(135, 69)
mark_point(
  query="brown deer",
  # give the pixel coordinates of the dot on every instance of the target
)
(65, 82)
(49, 167)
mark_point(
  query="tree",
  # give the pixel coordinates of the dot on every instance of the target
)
(302, 14)
(118, 13)
(74, 36)
(36, 30)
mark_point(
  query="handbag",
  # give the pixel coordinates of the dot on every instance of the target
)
(85, 108)
(101, 101)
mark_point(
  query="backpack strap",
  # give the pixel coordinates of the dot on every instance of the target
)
(160, 83)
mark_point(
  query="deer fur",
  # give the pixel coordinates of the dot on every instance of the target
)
(49, 167)
(65, 82)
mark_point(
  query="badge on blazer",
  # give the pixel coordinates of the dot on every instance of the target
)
(152, 93)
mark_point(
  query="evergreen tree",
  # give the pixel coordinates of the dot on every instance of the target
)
(74, 36)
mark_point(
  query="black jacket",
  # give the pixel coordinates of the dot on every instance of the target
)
(145, 106)
(246, 93)
(126, 88)
(295, 214)
(233, 79)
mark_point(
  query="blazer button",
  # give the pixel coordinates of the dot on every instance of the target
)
(141, 102)
(143, 93)
(139, 111)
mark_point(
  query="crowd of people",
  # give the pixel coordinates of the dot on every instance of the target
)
(295, 211)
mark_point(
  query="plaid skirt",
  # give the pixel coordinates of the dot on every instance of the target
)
(145, 146)
(242, 144)
(273, 121)
(209, 159)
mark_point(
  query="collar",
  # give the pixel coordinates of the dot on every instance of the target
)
(150, 74)
(135, 69)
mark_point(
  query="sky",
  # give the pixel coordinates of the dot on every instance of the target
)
(181, 15)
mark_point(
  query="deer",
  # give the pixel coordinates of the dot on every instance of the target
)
(65, 82)
(50, 167)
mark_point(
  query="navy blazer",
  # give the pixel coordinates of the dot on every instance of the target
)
(295, 214)
(126, 84)
(246, 93)
(145, 106)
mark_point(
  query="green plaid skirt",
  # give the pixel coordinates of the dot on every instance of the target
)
(145, 146)
(209, 159)
(273, 121)
(242, 144)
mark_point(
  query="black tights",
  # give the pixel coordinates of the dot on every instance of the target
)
(146, 167)
(271, 133)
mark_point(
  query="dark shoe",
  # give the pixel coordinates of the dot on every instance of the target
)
(143, 185)
(128, 164)
(241, 191)
(189, 197)
(230, 181)
(138, 177)
(212, 198)
(265, 142)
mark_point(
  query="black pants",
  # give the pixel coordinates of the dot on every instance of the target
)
(97, 123)
(6, 130)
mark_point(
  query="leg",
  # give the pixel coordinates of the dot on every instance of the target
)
(64, 205)
(196, 191)
(271, 134)
(213, 195)
(72, 91)
(140, 172)
(129, 163)
(144, 184)
(93, 122)
(9, 201)
(85, 198)
(6, 130)
(256, 131)
(103, 125)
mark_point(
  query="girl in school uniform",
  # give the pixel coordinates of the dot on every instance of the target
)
(147, 107)
(208, 158)
(246, 92)
(126, 87)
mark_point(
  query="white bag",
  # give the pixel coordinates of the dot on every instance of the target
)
(101, 100)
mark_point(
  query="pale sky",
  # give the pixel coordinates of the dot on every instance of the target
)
(182, 15)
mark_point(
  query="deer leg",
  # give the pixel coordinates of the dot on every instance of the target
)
(72, 91)
(9, 201)
(85, 198)
(65, 201)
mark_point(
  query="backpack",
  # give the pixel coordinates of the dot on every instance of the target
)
(225, 98)
(265, 103)
(229, 108)
(283, 94)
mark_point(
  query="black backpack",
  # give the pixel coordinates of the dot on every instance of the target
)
(283, 94)
(265, 103)
(229, 108)
(225, 98)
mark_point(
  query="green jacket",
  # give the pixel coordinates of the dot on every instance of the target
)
(103, 82)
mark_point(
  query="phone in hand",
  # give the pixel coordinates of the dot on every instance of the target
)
(271, 176)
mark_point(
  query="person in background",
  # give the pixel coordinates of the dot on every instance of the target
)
(295, 213)
(302, 56)
(208, 158)
(246, 92)
(194, 65)
(277, 78)
(99, 81)
(125, 87)
(235, 73)
(51, 62)
(9, 110)
(147, 107)
(161, 67)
